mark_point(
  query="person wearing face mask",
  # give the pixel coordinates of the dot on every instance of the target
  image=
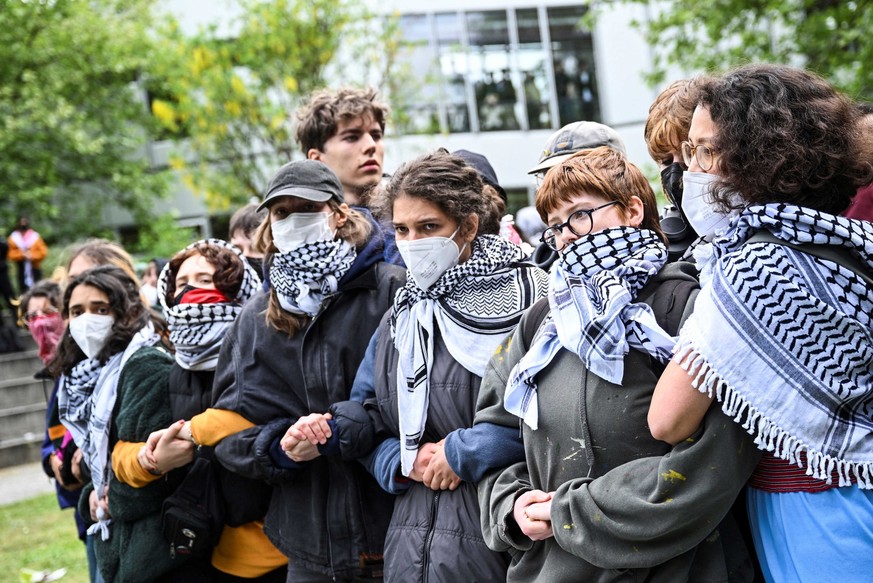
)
(780, 336)
(292, 351)
(417, 387)
(202, 290)
(113, 386)
(666, 128)
(586, 502)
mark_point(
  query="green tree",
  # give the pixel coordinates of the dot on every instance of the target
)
(831, 37)
(232, 100)
(73, 120)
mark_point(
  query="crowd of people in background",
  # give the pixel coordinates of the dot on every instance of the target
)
(385, 378)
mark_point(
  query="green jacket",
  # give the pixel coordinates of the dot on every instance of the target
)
(626, 507)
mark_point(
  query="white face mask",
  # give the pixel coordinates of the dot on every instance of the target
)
(697, 204)
(90, 331)
(301, 228)
(429, 258)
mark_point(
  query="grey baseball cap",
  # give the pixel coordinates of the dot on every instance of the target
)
(309, 179)
(579, 135)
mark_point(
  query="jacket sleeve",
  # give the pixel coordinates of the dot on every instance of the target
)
(38, 251)
(14, 253)
(653, 509)
(472, 452)
(498, 492)
(384, 464)
(143, 392)
(248, 452)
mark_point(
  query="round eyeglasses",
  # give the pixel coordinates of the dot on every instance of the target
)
(580, 224)
(703, 154)
(29, 317)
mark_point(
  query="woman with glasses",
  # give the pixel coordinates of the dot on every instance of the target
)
(465, 291)
(596, 497)
(781, 334)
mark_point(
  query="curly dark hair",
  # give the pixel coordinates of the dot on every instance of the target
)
(125, 304)
(785, 135)
(441, 178)
(229, 269)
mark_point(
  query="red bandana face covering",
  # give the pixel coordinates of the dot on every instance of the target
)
(196, 295)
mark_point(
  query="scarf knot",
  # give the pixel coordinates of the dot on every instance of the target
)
(305, 277)
(592, 312)
(474, 305)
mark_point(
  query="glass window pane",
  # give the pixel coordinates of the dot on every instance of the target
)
(419, 114)
(495, 90)
(575, 77)
(532, 63)
(453, 66)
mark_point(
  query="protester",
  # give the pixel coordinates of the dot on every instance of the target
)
(149, 287)
(7, 294)
(344, 130)
(785, 305)
(666, 129)
(241, 232)
(464, 292)
(27, 250)
(295, 350)
(572, 138)
(588, 499)
(202, 290)
(113, 386)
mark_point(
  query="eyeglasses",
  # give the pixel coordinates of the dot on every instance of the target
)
(703, 153)
(580, 224)
(31, 316)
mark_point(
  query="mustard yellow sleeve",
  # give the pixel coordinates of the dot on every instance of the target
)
(245, 551)
(213, 425)
(14, 253)
(127, 467)
(38, 251)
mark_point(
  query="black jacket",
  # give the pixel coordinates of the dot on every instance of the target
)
(328, 512)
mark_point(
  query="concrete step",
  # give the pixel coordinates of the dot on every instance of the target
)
(22, 421)
(14, 365)
(20, 450)
(24, 391)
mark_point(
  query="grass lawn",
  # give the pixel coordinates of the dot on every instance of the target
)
(36, 534)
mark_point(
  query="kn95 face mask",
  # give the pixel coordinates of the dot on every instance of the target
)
(91, 331)
(429, 258)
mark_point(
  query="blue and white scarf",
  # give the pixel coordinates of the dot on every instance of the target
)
(196, 330)
(304, 277)
(784, 340)
(475, 305)
(592, 312)
(86, 400)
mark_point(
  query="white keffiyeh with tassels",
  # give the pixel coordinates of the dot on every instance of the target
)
(592, 312)
(196, 330)
(474, 305)
(784, 340)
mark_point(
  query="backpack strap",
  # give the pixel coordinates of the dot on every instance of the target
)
(838, 255)
(535, 317)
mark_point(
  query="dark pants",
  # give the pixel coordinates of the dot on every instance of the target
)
(275, 576)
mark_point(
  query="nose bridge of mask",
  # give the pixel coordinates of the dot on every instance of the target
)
(301, 228)
(90, 332)
(697, 203)
(427, 259)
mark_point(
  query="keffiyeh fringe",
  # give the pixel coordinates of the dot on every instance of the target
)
(782, 339)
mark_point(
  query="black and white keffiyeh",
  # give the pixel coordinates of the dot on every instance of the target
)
(196, 330)
(304, 277)
(86, 400)
(783, 339)
(475, 305)
(592, 312)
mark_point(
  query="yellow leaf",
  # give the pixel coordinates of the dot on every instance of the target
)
(291, 84)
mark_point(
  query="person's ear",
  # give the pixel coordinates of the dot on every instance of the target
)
(342, 215)
(635, 211)
(470, 228)
(314, 154)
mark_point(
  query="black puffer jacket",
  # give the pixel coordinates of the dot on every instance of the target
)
(326, 514)
(434, 536)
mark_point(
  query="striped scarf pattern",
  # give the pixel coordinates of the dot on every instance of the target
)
(783, 340)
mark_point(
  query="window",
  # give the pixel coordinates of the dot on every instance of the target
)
(498, 70)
